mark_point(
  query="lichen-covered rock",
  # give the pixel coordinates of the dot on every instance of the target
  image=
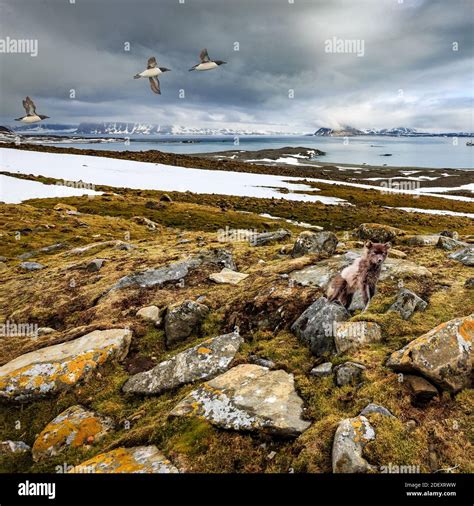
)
(422, 240)
(248, 397)
(443, 355)
(322, 272)
(322, 370)
(352, 435)
(350, 336)
(348, 373)
(407, 303)
(465, 256)
(73, 427)
(228, 276)
(269, 237)
(316, 325)
(183, 319)
(59, 367)
(314, 243)
(13, 447)
(139, 459)
(377, 233)
(449, 244)
(376, 408)
(202, 361)
(150, 314)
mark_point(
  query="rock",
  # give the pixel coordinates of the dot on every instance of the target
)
(176, 271)
(396, 253)
(377, 233)
(44, 331)
(31, 266)
(64, 207)
(376, 408)
(323, 271)
(150, 314)
(59, 367)
(46, 249)
(350, 336)
(450, 244)
(449, 233)
(264, 362)
(407, 303)
(150, 225)
(182, 320)
(72, 428)
(139, 459)
(248, 397)
(314, 243)
(469, 283)
(269, 237)
(202, 361)
(124, 246)
(165, 198)
(95, 265)
(3, 259)
(348, 373)
(13, 447)
(228, 276)
(465, 256)
(316, 325)
(443, 355)
(421, 390)
(422, 240)
(351, 436)
(322, 370)
(88, 248)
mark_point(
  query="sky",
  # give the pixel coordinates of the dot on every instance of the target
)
(410, 62)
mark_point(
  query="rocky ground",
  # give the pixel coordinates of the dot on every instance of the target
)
(151, 338)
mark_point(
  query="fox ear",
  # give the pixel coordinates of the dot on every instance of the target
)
(388, 245)
(368, 244)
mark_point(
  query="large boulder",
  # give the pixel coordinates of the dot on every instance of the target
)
(316, 325)
(207, 359)
(322, 272)
(350, 336)
(352, 435)
(465, 256)
(449, 243)
(139, 459)
(248, 397)
(443, 355)
(407, 303)
(422, 240)
(314, 243)
(377, 233)
(183, 319)
(72, 428)
(59, 367)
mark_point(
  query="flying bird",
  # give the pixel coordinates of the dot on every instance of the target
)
(152, 72)
(31, 116)
(206, 62)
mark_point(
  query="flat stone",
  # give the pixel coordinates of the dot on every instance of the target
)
(139, 459)
(46, 249)
(422, 240)
(269, 237)
(376, 408)
(322, 370)
(315, 326)
(443, 355)
(450, 244)
(248, 397)
(407, 303)
(465, 256)
(348, 373)
(13, 447)
(421, 390)
(350, 336)
(183, 319)
(228, 276)
(150, 314)
(88, 248)
(396, 253)
(56, 368)
(351, 436)
(322, 272)
(315, 243)
(202, 361)
(72, 428)
(31, 266)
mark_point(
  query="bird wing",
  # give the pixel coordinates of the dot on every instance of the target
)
(204, 56)
(29, 106)
(152, 63)
(155, 85)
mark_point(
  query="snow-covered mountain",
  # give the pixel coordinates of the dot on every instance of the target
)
(348, 131)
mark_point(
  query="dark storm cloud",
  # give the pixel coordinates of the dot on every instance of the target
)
(409, 74)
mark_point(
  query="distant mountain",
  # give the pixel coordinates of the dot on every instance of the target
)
(348, 131)
(44, 128)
